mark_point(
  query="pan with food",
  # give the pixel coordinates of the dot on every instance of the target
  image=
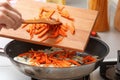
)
(95, 47)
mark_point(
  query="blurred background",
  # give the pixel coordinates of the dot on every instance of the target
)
(111, 37)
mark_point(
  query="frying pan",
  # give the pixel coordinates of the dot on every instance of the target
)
(95, 47)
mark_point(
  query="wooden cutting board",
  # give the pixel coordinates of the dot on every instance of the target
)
(83, 21)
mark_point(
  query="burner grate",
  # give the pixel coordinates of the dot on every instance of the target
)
(83, 78)
(110, 70)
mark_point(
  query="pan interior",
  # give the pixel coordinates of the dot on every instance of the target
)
(94, 47)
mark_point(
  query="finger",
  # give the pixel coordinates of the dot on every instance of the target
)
(10, 13)
(9, 23)
(8, 6)
(17, 25)
(14, 16)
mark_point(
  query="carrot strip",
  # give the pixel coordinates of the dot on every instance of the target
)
(40, 30)
(60, 8)
(74, 62)
(46, 9)
(90, 62)
(71, 28)
(44, 38)
(24, 25)
(62, 32)
(57, 58)
(65, 14)
(59, 40)
(49, 14)
(88, 59)
(41, 12)
(56, 32)
(65, 28)
(43, 32)
(31, 31)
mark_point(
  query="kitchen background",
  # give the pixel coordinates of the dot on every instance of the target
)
(112, 38)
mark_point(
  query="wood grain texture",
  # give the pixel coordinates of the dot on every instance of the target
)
(117, 17)
(102, 22)
(83, 21)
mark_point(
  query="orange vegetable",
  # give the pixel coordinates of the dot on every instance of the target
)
(24, 25)
(64, 27)
(88, 59)
(63, 58)
(74, 62)
(62, 32)
(59, 40)
(60, 8)
(64, 13)
(45, 31)
(49, 14)
(40, 30)
(72, 28)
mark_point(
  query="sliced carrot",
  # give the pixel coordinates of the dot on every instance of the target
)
(24, 25)
(49, 14)
(59, 39)
(44, 38)
(41, 11)
(69, 18)
(57, 59)
(37, 27)
(71, 28)
(65, 28)
(62, 32)
(43, 32)
(60, 8)
(88, 59)
(46, 9)
(31, 31)
(28, 30)
(90, 62)
(40, 30)
(65, 14)
(54, 31)
(74, 62)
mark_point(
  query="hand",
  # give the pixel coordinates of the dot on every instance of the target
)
(9, 17)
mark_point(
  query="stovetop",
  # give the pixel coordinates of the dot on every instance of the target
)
(110, 70)
(83, 78)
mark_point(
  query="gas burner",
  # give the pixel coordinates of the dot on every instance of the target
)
(83, 78)
(110, 70)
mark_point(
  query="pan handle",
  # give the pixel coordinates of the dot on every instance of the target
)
(2, 53)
